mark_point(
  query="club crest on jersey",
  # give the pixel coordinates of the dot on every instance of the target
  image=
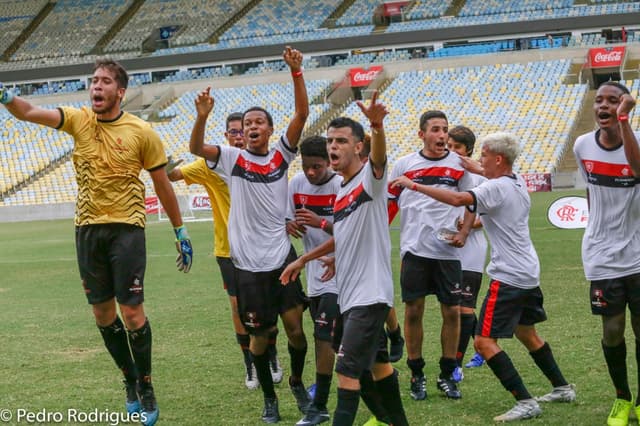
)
(589, 166)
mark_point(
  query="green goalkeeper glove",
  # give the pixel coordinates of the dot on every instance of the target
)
(171, 165)
(185, 250)
(6, 95)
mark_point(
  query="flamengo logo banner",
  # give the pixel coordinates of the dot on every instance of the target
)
(537, 182)
(569, 213)
(606, 57)
(364, 77)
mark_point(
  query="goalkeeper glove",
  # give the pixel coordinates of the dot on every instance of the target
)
(6, 95)
(185, 250)
(171, 164)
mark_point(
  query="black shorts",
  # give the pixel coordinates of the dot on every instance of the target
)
(505, 307)
(420, 276)
(471, 282)
(228, 272)
(262, 298)
(112, 259)
(610, 297)
(360, 340)
(324, 312)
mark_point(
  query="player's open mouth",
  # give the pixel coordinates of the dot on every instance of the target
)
(98, 100)
(604, 116)
(254, 135)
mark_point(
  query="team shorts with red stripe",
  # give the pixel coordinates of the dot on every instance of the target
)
(421, 276)
(609, 297)
(471, 282)
(360, 340)
(228, 272)
(505, 307)
(324, 312)
(262, 298)
(112, 261)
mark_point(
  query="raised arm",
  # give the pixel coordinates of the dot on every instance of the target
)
(375, 113)
(204, 105)
(293, 58)
(25, 111)
(452, 198)
(631, 149)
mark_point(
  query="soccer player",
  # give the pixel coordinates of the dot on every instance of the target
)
(260, 246)
(609, 160)
(430, 264)
(514, 301)
(362, 265)
(197, 172)
(312, 194)
(111, 147)
(472, 257)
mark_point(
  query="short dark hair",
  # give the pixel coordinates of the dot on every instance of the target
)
(356, 128)
(616, 84)
(234, 116)
(465, 136)
(257, 108)
(428, 115)
(120, 74)
(314, 146)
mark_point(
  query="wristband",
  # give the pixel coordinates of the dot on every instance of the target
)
(323, 224)
(414, 187)
(623, 117)
(296, 73)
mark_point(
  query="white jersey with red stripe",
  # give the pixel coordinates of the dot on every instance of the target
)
(503, 204)
(473, 254)
(258, 185)
(363, 246)
(611, 242)
(422, 217)
(320, 200)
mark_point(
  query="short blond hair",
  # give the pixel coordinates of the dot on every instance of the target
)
(502, 143)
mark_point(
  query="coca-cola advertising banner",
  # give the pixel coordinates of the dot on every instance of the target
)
(606, 57)
(363, 77)
(537, 182)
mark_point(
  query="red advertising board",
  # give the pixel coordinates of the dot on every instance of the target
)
(606, 57)
(152, 205)
(363, 77)
(537, 182)
(393, 8)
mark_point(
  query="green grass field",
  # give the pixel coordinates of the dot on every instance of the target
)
(52, 357)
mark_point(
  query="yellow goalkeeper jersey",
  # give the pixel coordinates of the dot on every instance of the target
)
(216, 187)
(108, 157)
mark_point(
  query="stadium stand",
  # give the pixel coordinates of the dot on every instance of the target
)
(15, 16)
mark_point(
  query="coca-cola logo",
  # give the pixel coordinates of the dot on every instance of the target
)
(365, 75)
(614, 56)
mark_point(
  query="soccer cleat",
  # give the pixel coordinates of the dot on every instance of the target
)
(132, 403)
(276, 370)
(524, 409)
(457, 375)
(619, 415)
(374, 422)
(396, 349)
(418, 388)
(475, 361)
(311, 390)
(449, 387)
(251, 379)
(270, 413)
(314, 416)
(149, 411)
(302, 397)
(566, 393)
